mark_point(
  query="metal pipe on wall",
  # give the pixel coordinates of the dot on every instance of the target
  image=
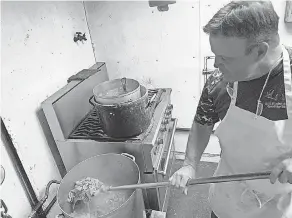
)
(35, 210)
(11, 150)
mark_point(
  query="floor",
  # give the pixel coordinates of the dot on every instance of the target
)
(195, 204)
(213, 148)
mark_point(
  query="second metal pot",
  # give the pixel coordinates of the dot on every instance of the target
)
(117, 91)
(127, 119)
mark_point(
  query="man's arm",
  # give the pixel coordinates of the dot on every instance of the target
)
(197, 142)
(205, 119)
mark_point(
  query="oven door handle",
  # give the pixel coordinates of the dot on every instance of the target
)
(163, 172)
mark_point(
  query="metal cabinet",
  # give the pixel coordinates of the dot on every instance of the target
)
(207, 69)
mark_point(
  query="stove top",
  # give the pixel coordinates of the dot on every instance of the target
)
(91, 128)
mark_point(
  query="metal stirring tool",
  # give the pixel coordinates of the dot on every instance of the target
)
(217, 179)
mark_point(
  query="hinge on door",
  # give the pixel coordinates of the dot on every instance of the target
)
(2, 176)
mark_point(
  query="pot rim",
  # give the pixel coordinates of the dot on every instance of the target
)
(127, 102)
(108, 154)
(115, 97)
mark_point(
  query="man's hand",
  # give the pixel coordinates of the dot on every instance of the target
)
(181, 177)
(282, 172)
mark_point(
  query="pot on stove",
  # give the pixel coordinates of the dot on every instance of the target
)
(128, 119)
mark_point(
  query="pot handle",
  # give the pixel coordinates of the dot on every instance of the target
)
(129, 156)
(2, 178)
(124, 83)
(44, 199)
(92, 101)
(154, 103)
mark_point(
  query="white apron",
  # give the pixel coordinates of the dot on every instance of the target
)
(253, 144)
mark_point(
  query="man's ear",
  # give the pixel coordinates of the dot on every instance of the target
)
(261, 50)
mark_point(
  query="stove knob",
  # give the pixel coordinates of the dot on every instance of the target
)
(170, 107)
(168, 116)
(163, 128)
(165, 121)
(155, 150)
(160, 141)
(168, 113)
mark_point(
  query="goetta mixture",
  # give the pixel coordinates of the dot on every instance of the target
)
(95, 197)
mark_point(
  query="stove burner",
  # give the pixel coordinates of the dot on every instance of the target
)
(91, 128)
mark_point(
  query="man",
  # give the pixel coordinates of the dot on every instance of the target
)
(251, 93)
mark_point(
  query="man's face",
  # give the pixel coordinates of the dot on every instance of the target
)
(231, 58)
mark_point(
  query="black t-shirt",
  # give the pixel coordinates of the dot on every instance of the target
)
(215, 101)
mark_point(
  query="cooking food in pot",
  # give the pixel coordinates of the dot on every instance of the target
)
(90, 198)
(113, 93)
(117, 91)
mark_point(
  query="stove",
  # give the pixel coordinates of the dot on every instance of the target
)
(78, 134)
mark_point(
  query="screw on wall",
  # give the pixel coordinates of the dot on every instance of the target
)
(79, 37)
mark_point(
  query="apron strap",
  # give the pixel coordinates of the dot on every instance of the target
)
(232, 92)
(287, 80)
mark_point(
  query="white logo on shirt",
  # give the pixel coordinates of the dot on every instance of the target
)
(275, 105)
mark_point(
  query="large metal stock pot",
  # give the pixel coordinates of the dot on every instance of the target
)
(111, 169)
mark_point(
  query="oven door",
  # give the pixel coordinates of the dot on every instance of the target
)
(165, 167)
